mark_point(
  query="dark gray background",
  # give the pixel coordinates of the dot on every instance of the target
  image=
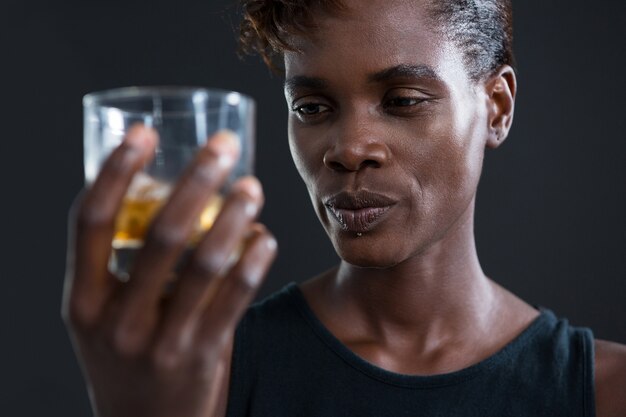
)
(550, 222)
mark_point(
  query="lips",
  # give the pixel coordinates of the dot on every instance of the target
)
(360, 211)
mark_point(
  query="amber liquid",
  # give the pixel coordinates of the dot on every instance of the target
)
(143, 201)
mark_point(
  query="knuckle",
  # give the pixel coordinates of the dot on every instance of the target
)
(172, 347)
(260, 231)
(251, 205)
(247, 280)
(210, 355)
(268, 247)
(126, 342)
(207, 264)
(271, 244)
(165, 358)
(123, 161)
(249, 188)
(90, 217)
(251, 273)
(203, 173)
(163, 237)
(263, 242)
(79, 314)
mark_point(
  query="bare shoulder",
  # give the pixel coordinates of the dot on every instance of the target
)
(610, 379)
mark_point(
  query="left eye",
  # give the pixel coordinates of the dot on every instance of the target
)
(403, 102)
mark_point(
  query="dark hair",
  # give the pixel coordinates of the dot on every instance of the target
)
(482, 29)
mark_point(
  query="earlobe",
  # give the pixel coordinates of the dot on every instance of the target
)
(501, 90)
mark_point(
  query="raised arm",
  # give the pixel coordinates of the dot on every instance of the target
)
(146, 351)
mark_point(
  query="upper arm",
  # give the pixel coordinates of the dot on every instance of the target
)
(610, 379)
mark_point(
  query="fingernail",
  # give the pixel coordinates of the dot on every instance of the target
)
(249, 185)
(141, 137)
(225, 143)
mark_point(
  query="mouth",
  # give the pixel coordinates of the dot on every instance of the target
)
(358, 212)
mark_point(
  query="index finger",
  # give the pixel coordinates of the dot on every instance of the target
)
(88, 281)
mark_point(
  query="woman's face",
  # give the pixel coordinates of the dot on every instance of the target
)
(386, 130)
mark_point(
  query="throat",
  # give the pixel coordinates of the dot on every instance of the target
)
(420, 332)
(424, 299)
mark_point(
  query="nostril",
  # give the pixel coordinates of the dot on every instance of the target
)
(353, 155)
(370, 163)
(336, 166)
(340, 167)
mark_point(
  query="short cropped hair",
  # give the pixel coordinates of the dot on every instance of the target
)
(482, 29)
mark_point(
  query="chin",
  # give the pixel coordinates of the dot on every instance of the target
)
(369, 262)
(366, 253)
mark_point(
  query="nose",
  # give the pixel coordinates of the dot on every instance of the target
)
(357, 146)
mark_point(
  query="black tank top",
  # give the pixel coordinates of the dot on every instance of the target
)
(287, 364)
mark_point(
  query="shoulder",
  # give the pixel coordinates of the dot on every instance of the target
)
(610, 379)
(271, 314)
(276, 303)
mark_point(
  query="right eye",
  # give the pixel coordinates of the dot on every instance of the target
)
(310, 111)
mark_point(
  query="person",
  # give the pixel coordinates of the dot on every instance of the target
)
(392, 105)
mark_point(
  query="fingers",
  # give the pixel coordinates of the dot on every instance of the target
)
(207, 265)
(92, 223)
(236, 290)
(167, 238)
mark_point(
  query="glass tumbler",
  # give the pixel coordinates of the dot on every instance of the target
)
(185, 118)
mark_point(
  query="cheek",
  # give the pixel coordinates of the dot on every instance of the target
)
(308, 157)
(446, 161)
(297, 153)
(307, 154)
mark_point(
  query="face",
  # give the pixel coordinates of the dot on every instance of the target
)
(386, 130)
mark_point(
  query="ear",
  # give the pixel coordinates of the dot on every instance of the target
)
(501, 89)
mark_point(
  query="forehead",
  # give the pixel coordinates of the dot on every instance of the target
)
(369, 35)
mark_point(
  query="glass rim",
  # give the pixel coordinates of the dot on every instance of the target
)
(98, 98)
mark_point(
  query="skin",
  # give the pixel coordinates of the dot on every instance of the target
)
(144, 354)
(409, 295)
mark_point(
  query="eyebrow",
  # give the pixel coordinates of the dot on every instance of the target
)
(302, 81)
(398, 71)
(405, 71)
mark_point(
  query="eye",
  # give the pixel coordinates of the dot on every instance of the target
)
(403, 101)
(309, 109)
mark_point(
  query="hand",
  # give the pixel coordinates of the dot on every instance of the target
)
(145, 352)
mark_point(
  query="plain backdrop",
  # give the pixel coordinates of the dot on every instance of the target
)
(550, 218)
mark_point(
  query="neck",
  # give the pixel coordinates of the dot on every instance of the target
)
(437, 293)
